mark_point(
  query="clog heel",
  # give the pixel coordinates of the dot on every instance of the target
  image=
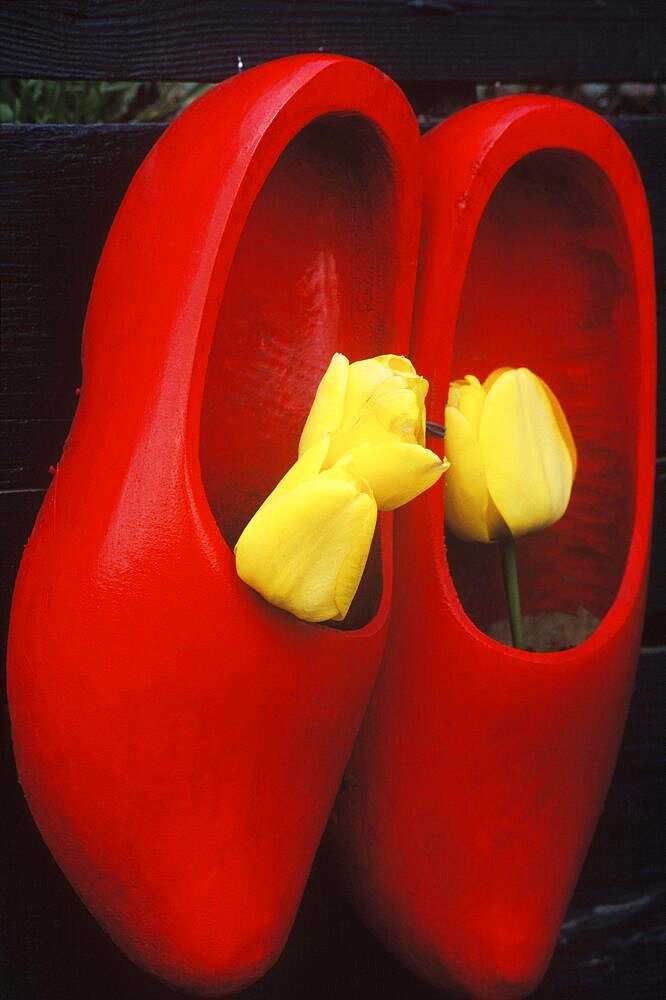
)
(480, 771)
(179, 741)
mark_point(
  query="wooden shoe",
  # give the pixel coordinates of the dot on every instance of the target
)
(179, 741)
(480, 771)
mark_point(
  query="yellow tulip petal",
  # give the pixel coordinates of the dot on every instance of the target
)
(307, 467)
(466, 500)
(306, 550)
(390, 412)
(378, 400)
(399, 405)
(396, 363)
(402, 366)
(395, 419)
(468, 396)
(563, 425)
(490, 380)
(529, 470)
(560, 417)
(396, 472)
(375, 380)
(364, 379)
(326, 411)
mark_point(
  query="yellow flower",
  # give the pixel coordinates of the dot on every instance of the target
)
(361, 450)
(513, 457)
(374, 411)
(306, 547)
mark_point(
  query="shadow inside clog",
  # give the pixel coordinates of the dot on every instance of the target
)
(313, 273)
(550, 286)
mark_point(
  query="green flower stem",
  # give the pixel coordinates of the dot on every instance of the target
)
(508, 554)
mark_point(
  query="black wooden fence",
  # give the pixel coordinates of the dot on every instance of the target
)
(61, 186)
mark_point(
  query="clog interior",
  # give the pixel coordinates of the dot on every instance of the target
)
(550, 286)
(313, 273)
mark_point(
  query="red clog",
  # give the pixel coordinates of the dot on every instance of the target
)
(179, 741)
(480, 771)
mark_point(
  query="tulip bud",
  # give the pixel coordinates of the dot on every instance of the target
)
(306, 547)
(513, 457)
(361, 450)
(374, 410)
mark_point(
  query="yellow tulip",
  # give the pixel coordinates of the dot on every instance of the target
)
(374, 411)
(361, 450)
(513, 457)
(306, 547)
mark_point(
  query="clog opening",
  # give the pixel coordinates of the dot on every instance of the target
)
(550, 286)
(314, 273)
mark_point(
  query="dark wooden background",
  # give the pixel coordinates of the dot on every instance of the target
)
(60, 187)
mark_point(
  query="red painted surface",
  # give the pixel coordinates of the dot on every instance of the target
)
(480, 771)
(179, 741)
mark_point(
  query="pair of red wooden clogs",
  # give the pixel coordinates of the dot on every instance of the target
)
(179, 741)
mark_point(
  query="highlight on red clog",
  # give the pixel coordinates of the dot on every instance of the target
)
(180, 741)
(480, 770)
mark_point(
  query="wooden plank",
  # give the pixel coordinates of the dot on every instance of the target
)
(470, 40)
(654, 629)
(30, 447)
(648, 146)
(18, 510)
(60, 189)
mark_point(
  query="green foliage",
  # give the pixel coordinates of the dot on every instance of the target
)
(87, 102)
(604, 98)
